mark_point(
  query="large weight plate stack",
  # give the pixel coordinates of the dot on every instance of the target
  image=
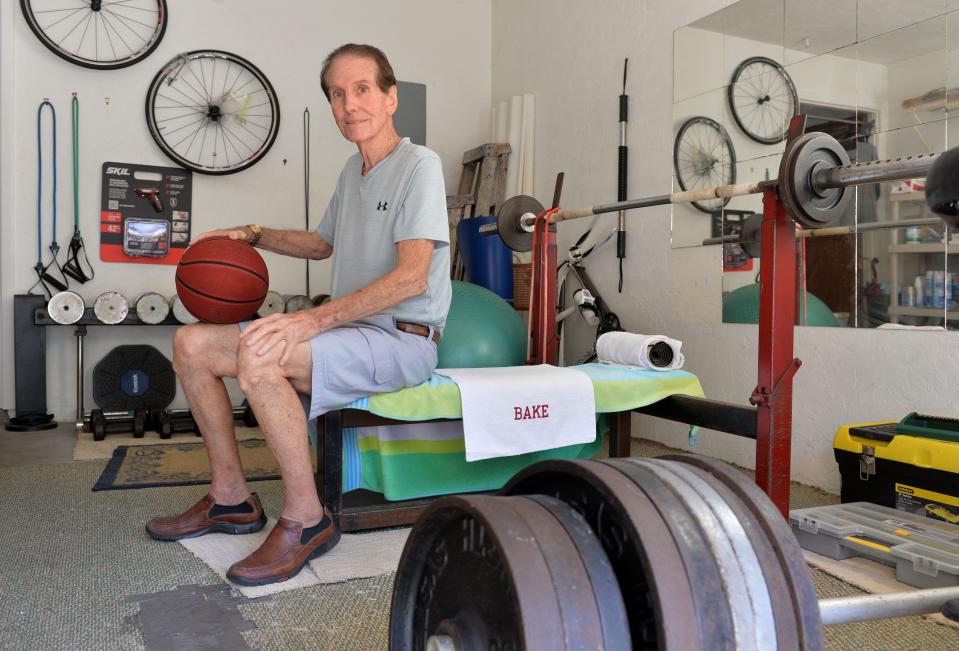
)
(697, 554)
(133, 378)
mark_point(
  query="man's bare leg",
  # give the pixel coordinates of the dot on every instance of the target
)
(203, 354)
(272, 391)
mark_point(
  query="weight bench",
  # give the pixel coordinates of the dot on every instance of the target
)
(618, 392)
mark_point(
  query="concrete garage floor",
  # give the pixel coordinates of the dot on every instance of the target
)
(78, 572)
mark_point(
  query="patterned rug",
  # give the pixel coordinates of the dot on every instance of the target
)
(182, 464)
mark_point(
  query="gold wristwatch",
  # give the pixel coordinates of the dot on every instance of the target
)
(257, 233)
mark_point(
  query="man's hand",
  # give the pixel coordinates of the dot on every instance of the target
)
(241, 233)
(285, 330)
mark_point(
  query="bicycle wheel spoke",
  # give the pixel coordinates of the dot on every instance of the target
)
(108, 24)
(84, 34)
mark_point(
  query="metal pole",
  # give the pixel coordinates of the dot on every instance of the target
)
(776, 366)
(80, 332)
(843, 610)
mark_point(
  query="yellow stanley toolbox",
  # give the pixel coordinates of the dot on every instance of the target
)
(912, 465)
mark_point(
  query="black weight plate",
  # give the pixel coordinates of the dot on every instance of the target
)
(715, 620)
(582, 623)
(751, 236)
(508, 221)
(471, 565)
(803, 156)
(133, 377)
(660, 601)
(606, 592)
(782, 541)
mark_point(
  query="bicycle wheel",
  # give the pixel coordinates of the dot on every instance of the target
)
(762, 99)
(212, 112)
(99, 34)
(703, 156)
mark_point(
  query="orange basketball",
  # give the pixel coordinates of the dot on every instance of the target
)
(220, 280)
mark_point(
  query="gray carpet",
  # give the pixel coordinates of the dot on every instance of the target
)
(80, 573)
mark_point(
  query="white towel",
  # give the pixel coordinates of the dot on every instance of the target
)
(518, 409)
(644, 351)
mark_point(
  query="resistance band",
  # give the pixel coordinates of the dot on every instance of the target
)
(72, 267)
(44, 277)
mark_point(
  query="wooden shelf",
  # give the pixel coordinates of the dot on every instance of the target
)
(953, 249)
(922, 311)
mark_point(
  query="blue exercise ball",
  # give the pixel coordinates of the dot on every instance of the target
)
(482, 330)
(742, 306)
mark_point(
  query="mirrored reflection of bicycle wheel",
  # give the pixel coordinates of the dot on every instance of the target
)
(703, 157)
(101, 34)
(212, 112)
(762, 98)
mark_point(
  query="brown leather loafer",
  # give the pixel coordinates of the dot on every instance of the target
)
(206, 516)
(284, 552)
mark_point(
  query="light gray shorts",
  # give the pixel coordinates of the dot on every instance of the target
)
(357, 359)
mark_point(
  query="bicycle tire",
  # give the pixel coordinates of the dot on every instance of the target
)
(48, 31)
(725, 142)
(791, 97)
(215, 102)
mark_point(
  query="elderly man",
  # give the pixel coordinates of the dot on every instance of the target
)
(387, 232)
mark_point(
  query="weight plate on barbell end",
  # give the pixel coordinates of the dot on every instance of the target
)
(180, 313)
(639, 536)
(320, 299)
(756, 627)
(297, 303)
(508, 218)
(780, 594)
(111, 308)
(783, 542)
(151, 307)
(273, 303)
(803, 156)
(65, 307)
(750, 238)
(472, 569)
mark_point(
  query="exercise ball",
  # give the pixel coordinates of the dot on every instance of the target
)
(742, 306)
(482, 330)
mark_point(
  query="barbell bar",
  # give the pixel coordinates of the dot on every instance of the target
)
(814, 177)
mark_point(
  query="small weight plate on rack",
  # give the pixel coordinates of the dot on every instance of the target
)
(750, 238)
(65, 307)
(272, 304)
(180, 313)
(151, 307)
(298, 302)
(812, 207)
(508, 221)
(111, 308)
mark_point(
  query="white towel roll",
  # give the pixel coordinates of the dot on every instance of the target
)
(653, 352)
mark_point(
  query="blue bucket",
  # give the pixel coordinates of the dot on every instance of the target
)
(488, 262)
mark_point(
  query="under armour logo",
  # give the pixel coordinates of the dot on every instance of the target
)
(382, 205)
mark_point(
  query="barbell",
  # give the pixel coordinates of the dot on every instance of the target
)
(680, 552)
(814, 180)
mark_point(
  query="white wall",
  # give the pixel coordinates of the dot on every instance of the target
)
(570, 55)
(441, 43)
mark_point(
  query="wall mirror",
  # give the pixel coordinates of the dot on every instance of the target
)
(882, 77)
